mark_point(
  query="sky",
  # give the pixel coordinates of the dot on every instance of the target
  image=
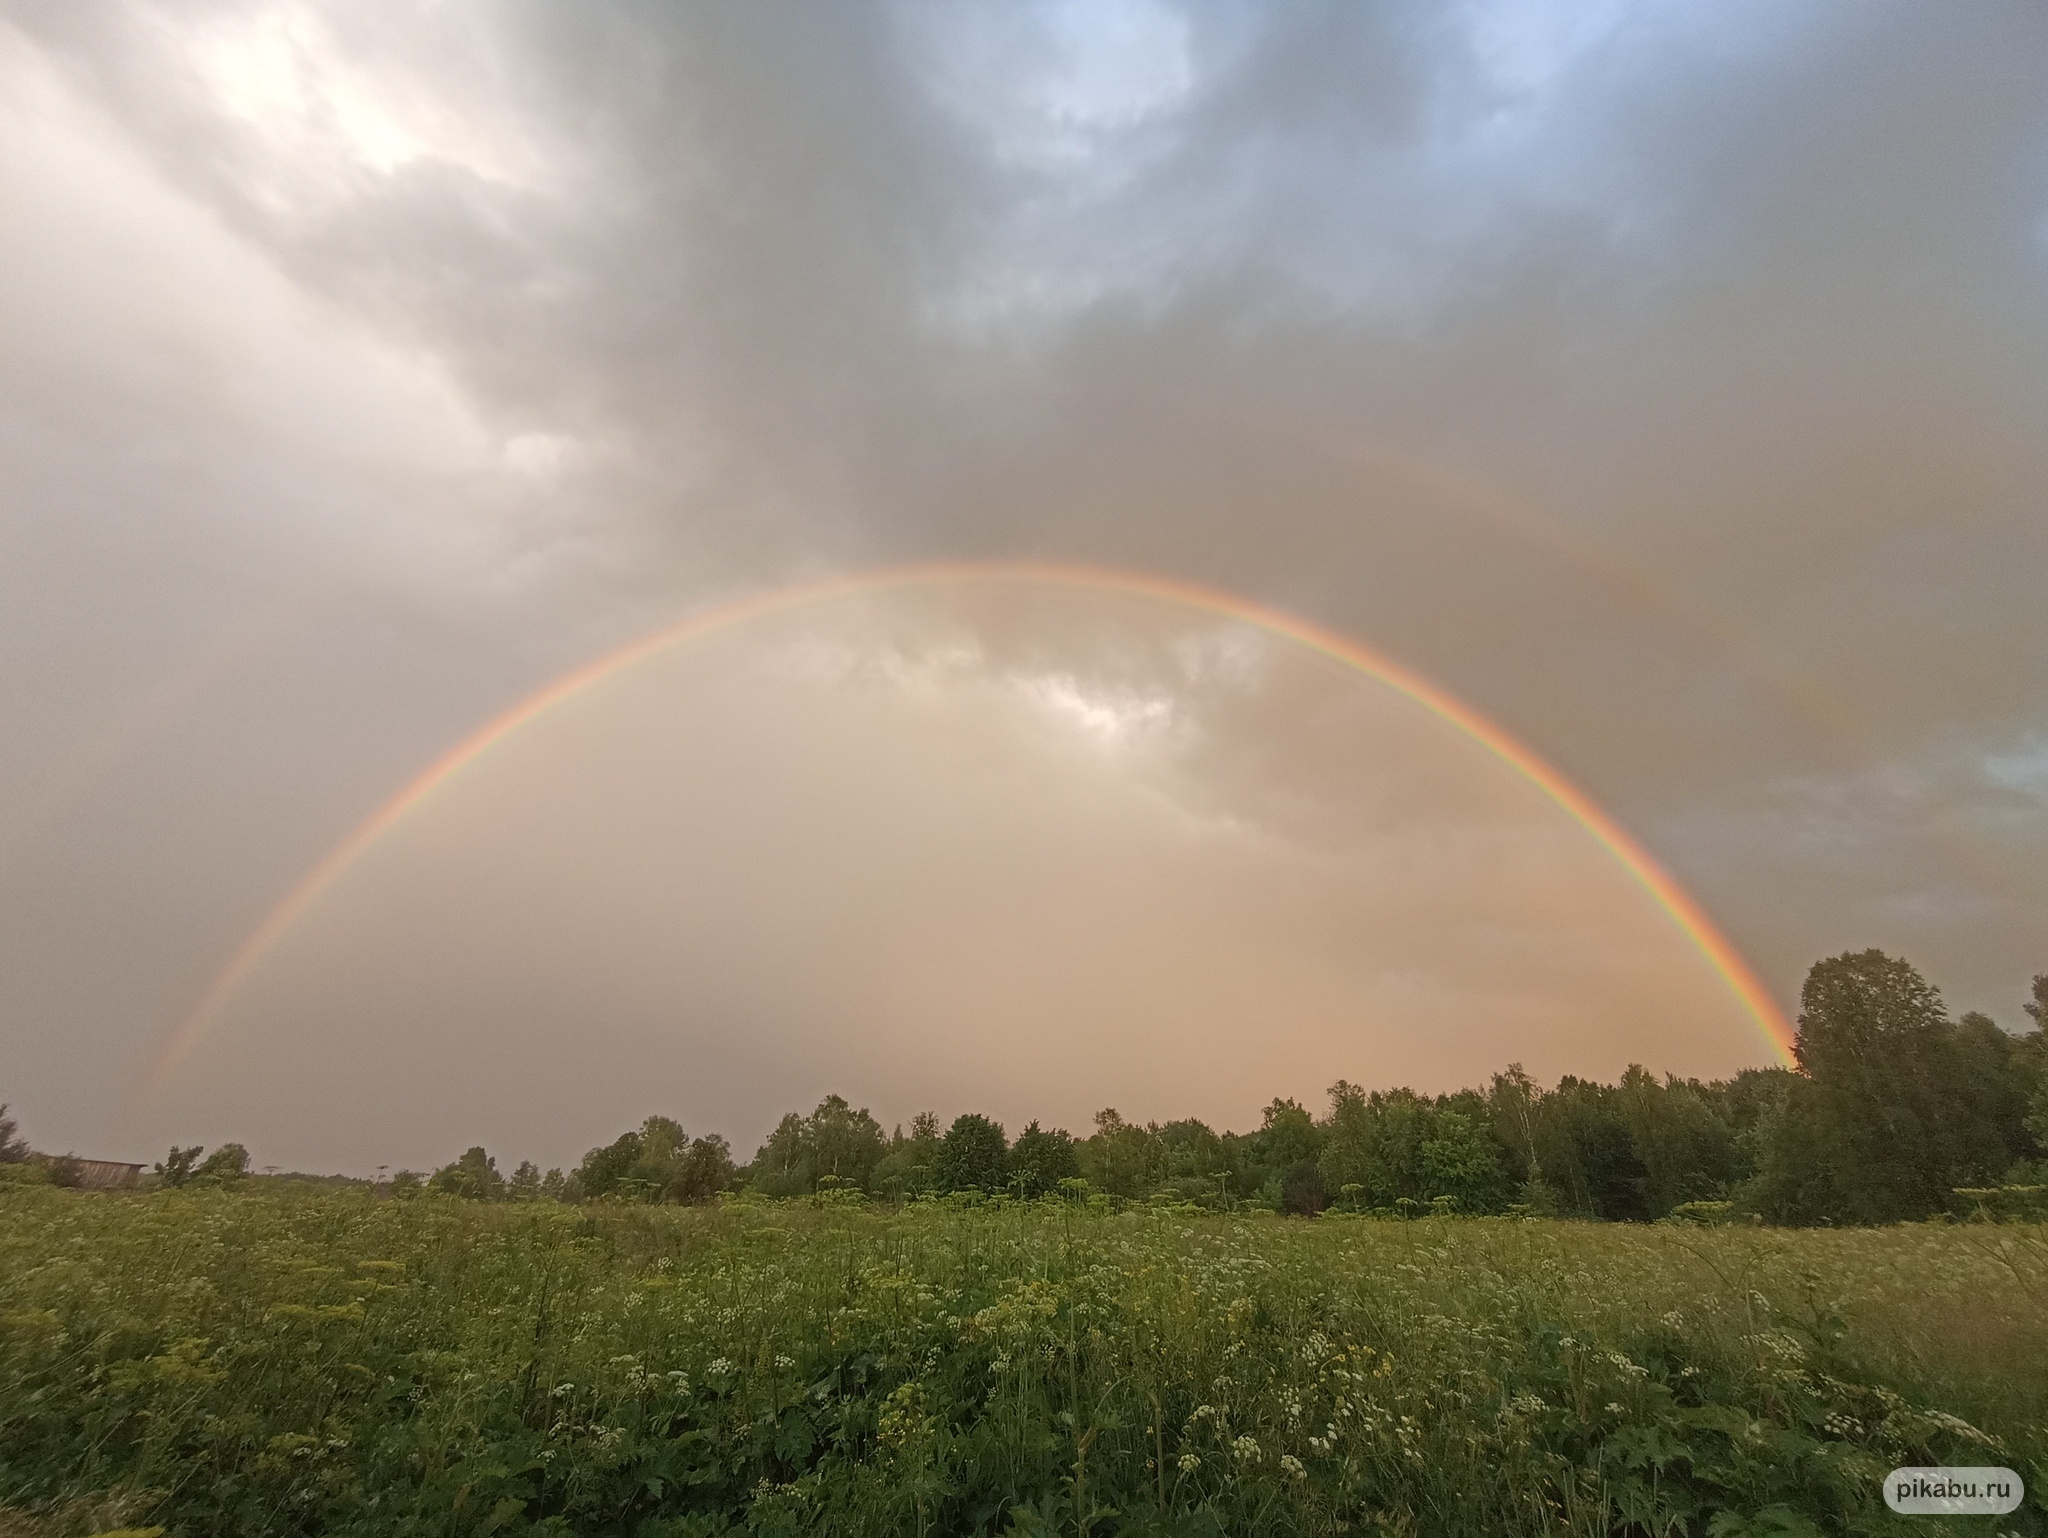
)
(1663, 382)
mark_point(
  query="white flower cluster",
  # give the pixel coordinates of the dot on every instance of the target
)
(1955, 1425)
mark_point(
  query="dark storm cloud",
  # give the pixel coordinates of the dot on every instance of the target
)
(522, 327)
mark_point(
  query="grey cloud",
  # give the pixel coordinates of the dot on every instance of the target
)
(1665, 380)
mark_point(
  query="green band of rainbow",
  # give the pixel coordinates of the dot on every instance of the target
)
(1687, 914)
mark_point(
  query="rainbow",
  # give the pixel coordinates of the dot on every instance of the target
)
(1676, 902)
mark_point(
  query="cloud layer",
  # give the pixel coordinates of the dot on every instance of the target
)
(1664, 380)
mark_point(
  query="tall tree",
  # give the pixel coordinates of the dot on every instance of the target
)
(1461, 1161)
(1197, 1161)
(834, 1141)
(13, 1147)
(1680, 1136)
(1040, 1160)
(2031, 1064)
(908, 1166)
(603, 1170)
(474, 1177)
(1123, 1158)
(844, 1143)
(1895, 1110)
(224, 1166)
(973, 1155)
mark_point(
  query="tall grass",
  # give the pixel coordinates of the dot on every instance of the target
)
(323, 1363)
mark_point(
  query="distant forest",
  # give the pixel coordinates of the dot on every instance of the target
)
(1895, 1112)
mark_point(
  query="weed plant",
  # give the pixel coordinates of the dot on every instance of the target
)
(260, 1364)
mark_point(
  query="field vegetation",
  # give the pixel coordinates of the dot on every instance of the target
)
(223, 1362)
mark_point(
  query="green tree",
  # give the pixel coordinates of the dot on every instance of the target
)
(909, 1164)
(1902, 1105)
(176, 1167)
(1197, 1161)
(704, 1170)
(1122, 1158)
(657, 1162)
(523, 1185)
(473, 1177)
(1461, 1161)
(2031, 1062)
(1614, 1179)
(1513, 1104)
(834, 1141)
(973, 1156)
(224, 1166)
(1680, 1134)
(844, 1143)
(603, 1170)
(1041, 1160)
(13, 1147)
(1373, 1143)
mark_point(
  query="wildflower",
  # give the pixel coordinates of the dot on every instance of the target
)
(1616, 1409)
(1189, 1463)
(785, 1362)
(719, 1367)
(1292, 1467)
(1957, 1426)
(1246, 1450)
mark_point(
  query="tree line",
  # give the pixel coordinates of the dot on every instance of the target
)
(1893, 1112)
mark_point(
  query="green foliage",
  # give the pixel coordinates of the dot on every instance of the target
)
(1123, 1159)
(1896, 1105)
(523, 1184)
(658, 1163)
(2002, 1204)
(323, 1362)
(224, 1166)
(474, 1177)
(834, 1142)
(177, 1166)
(13, 1147)
(1394, 1147)
(908, 1166)
(1041, 1160)
(973, 1156)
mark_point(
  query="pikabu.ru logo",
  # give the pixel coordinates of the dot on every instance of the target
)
(1953, 1492)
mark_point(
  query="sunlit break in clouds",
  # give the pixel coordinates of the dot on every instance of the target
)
(448, 453)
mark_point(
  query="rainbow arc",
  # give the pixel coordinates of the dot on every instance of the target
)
(1683, 910)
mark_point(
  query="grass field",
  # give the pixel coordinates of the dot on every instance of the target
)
(235, 1363)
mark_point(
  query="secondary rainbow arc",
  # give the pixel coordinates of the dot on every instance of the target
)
(1683, 910)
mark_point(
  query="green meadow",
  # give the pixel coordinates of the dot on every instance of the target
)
(210, 1362)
